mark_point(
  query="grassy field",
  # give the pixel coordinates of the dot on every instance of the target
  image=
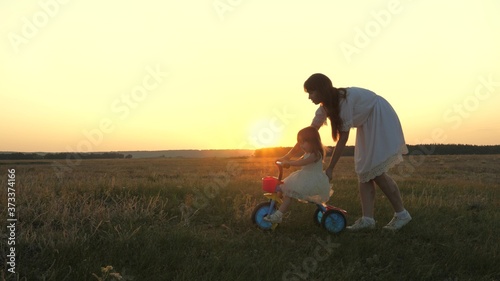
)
(189, 219)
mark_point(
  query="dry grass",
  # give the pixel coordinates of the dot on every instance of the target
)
(189, 219)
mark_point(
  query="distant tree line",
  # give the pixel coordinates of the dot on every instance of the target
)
(62, 155)
(429, 149)
(454, 149)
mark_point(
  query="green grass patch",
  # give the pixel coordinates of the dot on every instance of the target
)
(189, 219)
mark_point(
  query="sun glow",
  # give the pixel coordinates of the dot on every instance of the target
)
(265, 133)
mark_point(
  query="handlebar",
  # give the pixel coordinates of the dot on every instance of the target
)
(284, 165)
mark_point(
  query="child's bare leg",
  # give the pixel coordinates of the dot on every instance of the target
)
(286, 204)
(278, 215)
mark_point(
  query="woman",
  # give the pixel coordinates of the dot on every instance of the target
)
(379, 142)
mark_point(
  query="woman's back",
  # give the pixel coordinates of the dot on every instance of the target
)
(357, 106)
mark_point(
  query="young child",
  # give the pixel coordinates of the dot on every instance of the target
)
(310, 183)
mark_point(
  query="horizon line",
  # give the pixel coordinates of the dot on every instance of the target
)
(226, 149)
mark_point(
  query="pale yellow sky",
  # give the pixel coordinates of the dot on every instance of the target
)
(214, 74)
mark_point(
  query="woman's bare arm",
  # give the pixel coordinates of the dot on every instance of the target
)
(303, 161)
(337, 152)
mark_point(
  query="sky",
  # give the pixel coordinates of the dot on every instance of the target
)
(92, 76)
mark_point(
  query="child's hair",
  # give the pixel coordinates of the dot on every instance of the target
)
(311, 135)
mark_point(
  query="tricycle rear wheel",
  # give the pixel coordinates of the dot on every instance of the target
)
(333, 221)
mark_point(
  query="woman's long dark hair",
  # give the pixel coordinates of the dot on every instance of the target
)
(329, 97)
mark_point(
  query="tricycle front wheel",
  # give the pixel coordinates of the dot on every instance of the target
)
(259, 212)
(317, 216)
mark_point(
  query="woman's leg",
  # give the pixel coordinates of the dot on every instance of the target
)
(367, 196)
(391, 190)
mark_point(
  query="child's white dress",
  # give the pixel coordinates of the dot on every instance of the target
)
(309, 183)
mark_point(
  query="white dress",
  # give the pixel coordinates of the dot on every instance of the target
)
(309, 183)
(380, 141)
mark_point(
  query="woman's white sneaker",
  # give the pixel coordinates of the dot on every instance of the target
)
(362, 223)
(397, 223)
